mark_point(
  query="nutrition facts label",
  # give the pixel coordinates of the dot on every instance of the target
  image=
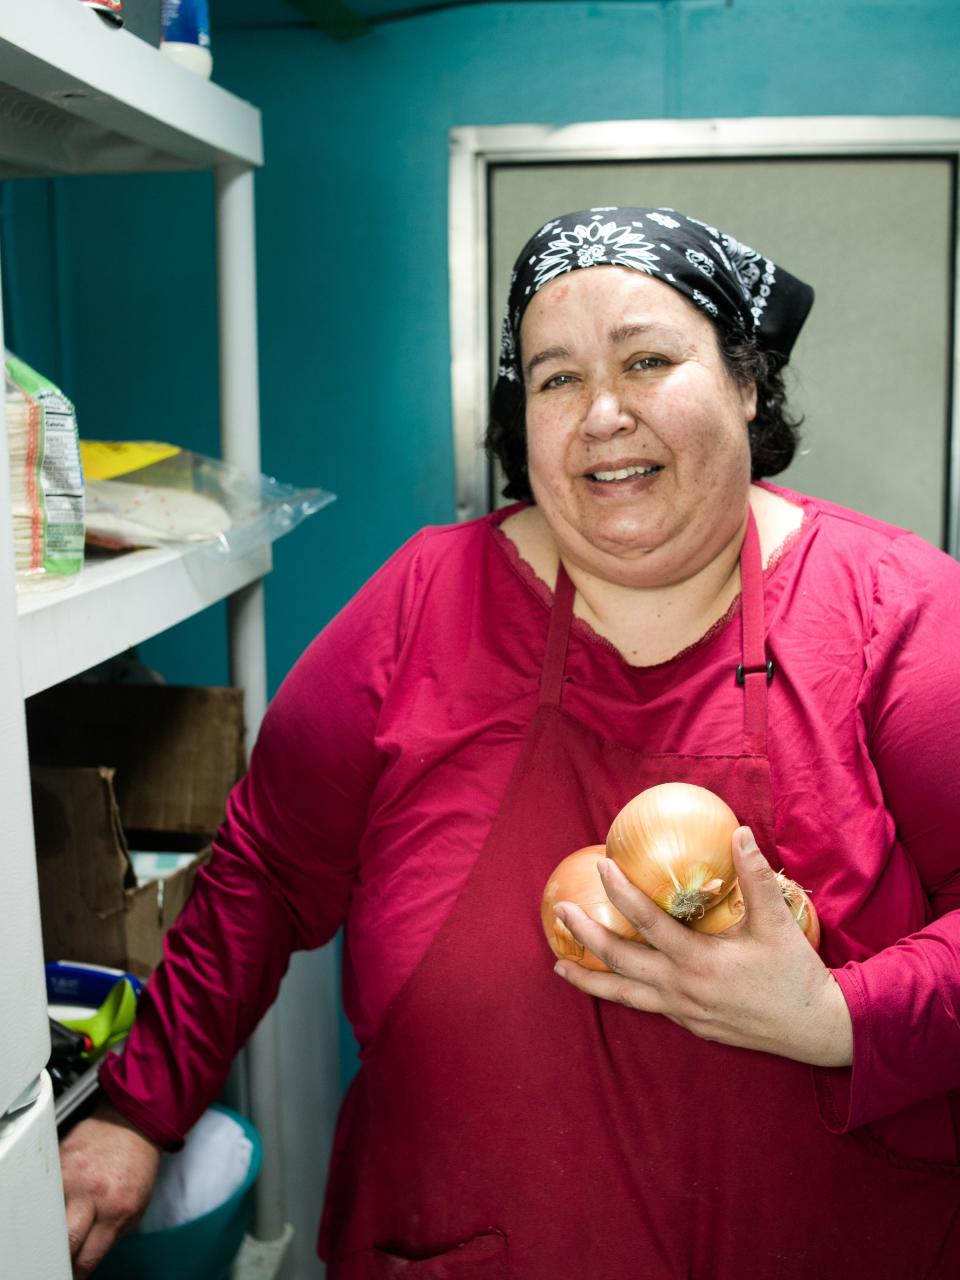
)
(61, 475)
(46, 477)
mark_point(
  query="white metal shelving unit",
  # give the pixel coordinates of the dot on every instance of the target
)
(80, 97)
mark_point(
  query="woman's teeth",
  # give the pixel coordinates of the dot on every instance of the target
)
(624, 473)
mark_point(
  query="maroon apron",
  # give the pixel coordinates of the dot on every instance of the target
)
(505, 1124)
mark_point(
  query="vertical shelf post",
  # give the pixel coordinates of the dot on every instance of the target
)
(240, 445)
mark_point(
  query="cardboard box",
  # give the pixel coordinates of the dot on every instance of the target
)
(115, 768)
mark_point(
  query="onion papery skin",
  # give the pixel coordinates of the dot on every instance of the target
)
(724, 915)
(576, 879)
(804, 912)
(675, 842)
(732, 910)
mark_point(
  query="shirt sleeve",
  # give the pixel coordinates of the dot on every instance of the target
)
(905, 1000)
(282, 866)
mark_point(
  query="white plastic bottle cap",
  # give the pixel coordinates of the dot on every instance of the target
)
(192, 56)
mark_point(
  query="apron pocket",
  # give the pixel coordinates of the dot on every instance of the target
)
(483, 1257)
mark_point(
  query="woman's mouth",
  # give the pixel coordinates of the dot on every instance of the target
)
(623, 473)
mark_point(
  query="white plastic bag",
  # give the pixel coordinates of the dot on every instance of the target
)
(145, 494)
(203, 1175)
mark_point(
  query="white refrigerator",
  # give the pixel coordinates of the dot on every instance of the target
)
(33, 1240)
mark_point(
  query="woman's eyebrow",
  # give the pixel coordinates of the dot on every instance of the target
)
(551, 353)
(621, 333)
(625, 331)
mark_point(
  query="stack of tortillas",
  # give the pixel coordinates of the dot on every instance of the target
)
(152, 504)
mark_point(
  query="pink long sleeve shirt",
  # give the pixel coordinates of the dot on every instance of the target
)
(384, 757)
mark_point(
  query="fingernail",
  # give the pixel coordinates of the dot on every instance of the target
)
(560, 970)
(747, 842)
(610, 869)
(561, 914)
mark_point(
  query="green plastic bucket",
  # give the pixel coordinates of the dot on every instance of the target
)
(203, 1248)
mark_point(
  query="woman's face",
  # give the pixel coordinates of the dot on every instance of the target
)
(636, 433)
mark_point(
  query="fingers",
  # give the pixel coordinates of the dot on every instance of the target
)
(93, 1250)
(658, 927)
(81, 1215)
(762, 895)
(90, 1238)
(108, 1171)
(660, 933)
(637, 969)
(622, 988)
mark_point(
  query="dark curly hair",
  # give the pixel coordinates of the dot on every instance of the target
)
(774, 432)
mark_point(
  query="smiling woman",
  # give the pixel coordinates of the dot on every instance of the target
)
(649, 611)
(637, 446)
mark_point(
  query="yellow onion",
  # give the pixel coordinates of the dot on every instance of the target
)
(731, 911)
(804, 912)
(724, 915)
(576, 879)
(674, 842)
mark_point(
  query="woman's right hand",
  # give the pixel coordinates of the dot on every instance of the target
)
(109, 1169)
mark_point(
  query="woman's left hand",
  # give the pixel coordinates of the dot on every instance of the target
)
(760, 985)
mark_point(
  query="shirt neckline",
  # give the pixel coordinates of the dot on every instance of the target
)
(580, 627)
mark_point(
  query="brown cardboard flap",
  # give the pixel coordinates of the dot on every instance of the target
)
(82, 864)
(81, 849)
(176, 751)
(151, 910)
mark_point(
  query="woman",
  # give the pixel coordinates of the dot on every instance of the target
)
(487, 703)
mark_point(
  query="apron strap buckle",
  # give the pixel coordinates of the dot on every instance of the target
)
(743, 672)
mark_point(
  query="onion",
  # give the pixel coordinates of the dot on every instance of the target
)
(576, 879)
(724, 915)
(674, 842)
(804, 912)
(731, 910)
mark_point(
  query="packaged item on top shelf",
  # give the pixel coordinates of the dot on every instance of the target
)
(46, 478)
(185, 26)
(145, 494)
(139, 17)
(110, 10)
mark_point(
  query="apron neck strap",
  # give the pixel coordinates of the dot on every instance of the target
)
(754, 672)
(554, 661)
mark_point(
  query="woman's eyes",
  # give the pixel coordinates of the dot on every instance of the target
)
(644, 364)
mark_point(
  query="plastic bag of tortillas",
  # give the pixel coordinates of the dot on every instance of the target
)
(148, 494)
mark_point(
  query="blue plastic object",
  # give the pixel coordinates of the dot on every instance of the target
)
(69, 982)
(202, 1249)
(186, 22)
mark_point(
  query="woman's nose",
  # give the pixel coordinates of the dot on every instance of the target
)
(607, 416)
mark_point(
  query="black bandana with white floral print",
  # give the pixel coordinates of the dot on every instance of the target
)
(733, 284)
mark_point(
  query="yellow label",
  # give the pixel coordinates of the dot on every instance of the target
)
(104, 459)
